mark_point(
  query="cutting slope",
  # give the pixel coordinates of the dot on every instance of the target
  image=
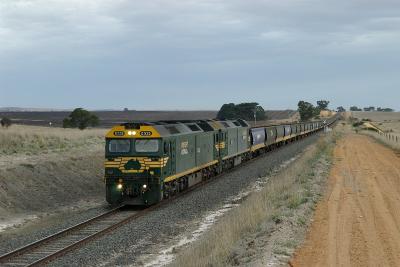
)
(358, 222)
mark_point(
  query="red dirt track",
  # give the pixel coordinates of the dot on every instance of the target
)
(358, 222)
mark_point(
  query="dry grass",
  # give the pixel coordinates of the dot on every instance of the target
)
(286, 190)
(377, 116)
(387, 121)
(389, 126)
(35, 139)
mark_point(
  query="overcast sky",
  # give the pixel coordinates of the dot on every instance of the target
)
(192, 54)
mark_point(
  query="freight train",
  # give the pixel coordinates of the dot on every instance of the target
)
(147, 162)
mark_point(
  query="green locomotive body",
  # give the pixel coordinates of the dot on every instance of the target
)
(147, 162)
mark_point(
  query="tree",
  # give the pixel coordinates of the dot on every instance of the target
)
(355, 108)
(246, 111)
(341, 109)
(80, 118)
(241, 111)
(385, 109)
(306, 110)
(5, 122)
(369, 109)
(227, 111)
(322, 104)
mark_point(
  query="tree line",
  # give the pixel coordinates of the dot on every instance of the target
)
(79, 118)
(252, 110)
(371, 108)
(308, 111)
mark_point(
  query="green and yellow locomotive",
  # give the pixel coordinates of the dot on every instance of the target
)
(147, 162)
(150, 161)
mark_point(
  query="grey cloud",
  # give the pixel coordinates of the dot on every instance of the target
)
(174, 50)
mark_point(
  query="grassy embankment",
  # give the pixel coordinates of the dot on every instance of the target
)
(33, 140)
(44, 168)
(285, 192)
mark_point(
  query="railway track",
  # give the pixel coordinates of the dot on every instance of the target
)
(56, 245)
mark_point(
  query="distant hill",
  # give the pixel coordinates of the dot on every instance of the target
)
(17, 109)
(107, 118)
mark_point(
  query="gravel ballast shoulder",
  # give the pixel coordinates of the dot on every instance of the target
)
(48, 225)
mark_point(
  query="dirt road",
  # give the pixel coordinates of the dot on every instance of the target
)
(358, 222)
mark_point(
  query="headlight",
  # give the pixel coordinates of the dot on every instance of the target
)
(119, 186)
(145, 186)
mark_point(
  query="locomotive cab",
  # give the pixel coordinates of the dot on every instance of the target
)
(134, 161)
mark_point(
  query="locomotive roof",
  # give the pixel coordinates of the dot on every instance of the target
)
(180, 127)
(169, 128)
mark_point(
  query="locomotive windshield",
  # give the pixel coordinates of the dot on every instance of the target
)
(146, 145)
(119, 146)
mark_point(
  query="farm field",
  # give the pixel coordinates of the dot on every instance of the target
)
(106, 118)
(110, 118)
(356, 224)
(387, 121)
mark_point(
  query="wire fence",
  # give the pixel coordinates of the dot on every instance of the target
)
(391, 136)
(390, 139)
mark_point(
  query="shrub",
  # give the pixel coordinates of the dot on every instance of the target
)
(80, 118)
(355, 108)
(241, 111)
(5, 122)
(306, 110)
(323, 104)
(358, 123)
(341, 109)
